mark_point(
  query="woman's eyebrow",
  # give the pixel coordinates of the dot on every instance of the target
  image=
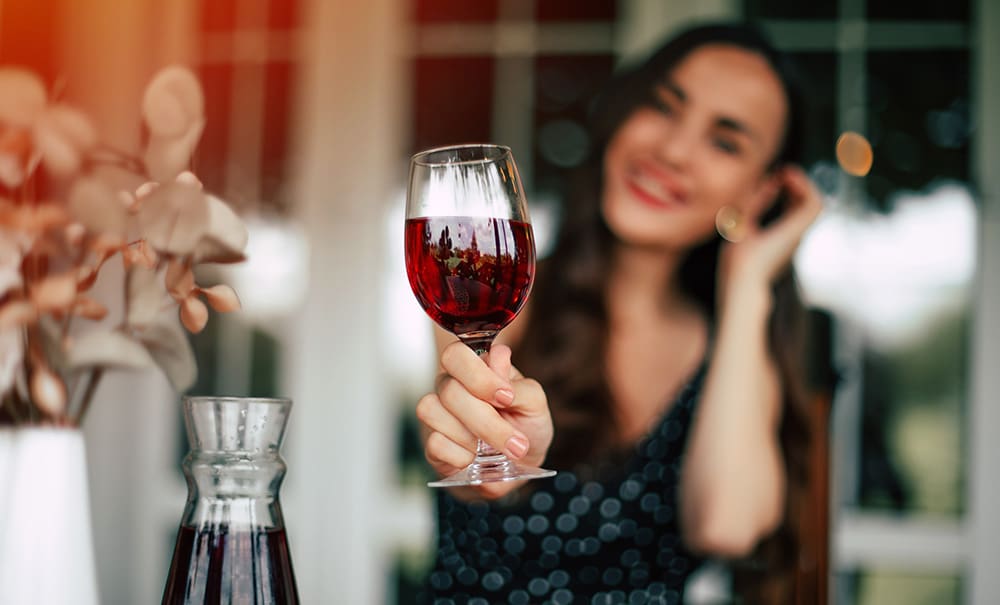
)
(736, 126)
(724, 122)
(674, 89)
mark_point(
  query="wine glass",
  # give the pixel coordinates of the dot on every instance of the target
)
(470, 259)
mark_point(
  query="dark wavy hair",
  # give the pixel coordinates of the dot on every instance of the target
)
(565, 343)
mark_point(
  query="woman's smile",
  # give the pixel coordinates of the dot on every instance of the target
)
(654, 187)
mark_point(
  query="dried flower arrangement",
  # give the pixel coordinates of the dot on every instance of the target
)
(143, 221)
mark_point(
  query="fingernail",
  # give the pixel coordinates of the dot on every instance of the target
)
(504, 396)
(517, 446)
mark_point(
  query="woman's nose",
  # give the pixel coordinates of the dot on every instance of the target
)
(677, 145)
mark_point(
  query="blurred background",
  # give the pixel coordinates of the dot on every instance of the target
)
(313, 109)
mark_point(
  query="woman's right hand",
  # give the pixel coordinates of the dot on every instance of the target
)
(486, 398)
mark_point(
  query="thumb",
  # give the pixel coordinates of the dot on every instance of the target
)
(499, 361)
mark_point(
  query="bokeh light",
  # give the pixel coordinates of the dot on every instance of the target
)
(854, 153)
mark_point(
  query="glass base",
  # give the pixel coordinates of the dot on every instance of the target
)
(491, 466)
(471, 475)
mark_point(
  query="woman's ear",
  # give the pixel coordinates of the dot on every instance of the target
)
(766, 192)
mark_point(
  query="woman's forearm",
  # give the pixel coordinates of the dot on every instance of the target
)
(733, 482)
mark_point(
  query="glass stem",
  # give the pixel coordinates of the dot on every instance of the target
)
(480, 342)
(489, 462)
(488, 458)
(486, 453)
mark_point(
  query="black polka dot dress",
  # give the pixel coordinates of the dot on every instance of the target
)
(611, 538)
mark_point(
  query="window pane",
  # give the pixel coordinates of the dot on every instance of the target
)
(818, 72)
(891, 587)
(279, 78)
(575, 10)
(914, 378)
(218, 15)
(919, 10)
(454, 100)
(563, 87)
(210, 157)
(283, 14)
(27, 36)
(918, 121)
(896, 267)
(913, 417)
(430, 11)
(900, 285)
(789, 9)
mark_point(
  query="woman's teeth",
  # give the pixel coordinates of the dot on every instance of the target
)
(652, 186)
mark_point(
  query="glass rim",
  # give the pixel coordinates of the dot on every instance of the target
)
(195, 399)
(420, 158)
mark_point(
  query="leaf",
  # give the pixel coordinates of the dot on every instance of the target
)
(226, 237)
(145, 296)
(62, 136)
(170, 349)
(55, 292)
(147, 256)
(11, 354)
(145, 189)
(97, 207)
(33, 219)
(173, 218)
(22, 96)
(179, 280)
(190, 178)
(130, 257)
(48, 392)
(167, 157)
(49, 215)
(108, 349)
(10, 246)
(127, 199)
(10, 278)
(12, 170)
(54, 344)
(90, 308)
(17, 313)
(222, 298)
(194, 314)
(172, 102)
(107, 245)
(74, 125)
(74, 232)
(86, 277)
(15, 156)
(139, 254)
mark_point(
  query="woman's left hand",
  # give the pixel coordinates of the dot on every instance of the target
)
(764, 252)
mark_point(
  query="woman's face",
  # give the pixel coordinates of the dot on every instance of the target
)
(669, 169)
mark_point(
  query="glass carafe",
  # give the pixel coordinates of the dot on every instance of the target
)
(231, 546)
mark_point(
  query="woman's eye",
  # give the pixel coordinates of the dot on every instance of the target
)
(726, 145)
(662, 105)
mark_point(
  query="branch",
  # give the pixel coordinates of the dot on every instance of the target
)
(88, 395)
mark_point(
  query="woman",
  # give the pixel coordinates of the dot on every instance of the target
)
(659, 362)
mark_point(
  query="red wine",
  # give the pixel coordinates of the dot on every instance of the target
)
(470, 274)
(217, 565)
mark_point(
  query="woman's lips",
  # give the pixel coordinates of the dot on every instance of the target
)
(655, 189)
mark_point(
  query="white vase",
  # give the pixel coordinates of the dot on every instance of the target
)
(46, 542)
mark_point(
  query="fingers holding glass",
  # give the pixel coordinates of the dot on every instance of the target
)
(470, 260)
